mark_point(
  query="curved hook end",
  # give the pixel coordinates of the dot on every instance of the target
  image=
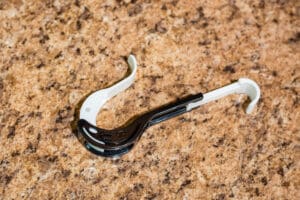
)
(93, 103)
(132, 63)
(242, 86)
(249, 87)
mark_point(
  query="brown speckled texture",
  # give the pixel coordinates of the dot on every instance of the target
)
(53, 53)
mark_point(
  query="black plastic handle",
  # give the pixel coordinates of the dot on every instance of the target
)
(174, 109)
(118, 141)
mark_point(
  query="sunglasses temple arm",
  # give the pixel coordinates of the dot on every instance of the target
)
(242, 86)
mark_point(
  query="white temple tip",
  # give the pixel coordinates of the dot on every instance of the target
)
(132, 61)
(242, 86)
(249, 87)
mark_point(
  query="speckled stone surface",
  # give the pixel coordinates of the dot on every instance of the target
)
(53, 53)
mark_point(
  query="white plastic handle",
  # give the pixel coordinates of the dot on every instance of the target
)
(242, 86)
(92, 105)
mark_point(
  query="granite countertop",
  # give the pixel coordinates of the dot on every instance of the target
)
(53, 53)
